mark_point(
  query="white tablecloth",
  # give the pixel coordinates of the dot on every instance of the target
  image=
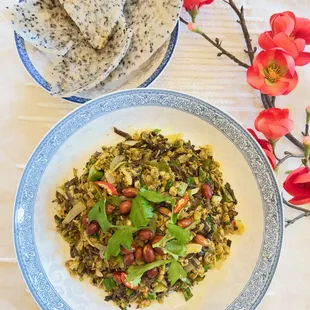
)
(27, 113)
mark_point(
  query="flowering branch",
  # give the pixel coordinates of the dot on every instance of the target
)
(218, 44)
(268, 101)
(273, 73)
(305, 213)
(294, 207)
(240, 13)
(290, 222)
(289, 155)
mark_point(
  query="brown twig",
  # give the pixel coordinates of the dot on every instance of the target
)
(291, 222)
(240, 13)
(217, 43)
(268, 101)
(295, 207)
(289, 155)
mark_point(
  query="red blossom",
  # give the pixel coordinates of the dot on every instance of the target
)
(297, 184)
(290, 34)
(267, 148)
(190, 5)
(273, 73)
(274, 123)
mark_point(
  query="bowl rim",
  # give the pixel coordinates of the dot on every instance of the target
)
(43, 83)
(24, 240)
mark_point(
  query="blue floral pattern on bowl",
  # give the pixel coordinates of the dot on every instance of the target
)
(25, 244)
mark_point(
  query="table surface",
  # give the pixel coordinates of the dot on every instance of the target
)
(28, 112)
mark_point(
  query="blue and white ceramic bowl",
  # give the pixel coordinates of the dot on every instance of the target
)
(35, 62)
(243, 278)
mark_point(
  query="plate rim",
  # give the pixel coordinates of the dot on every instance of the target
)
(42, 82)
(278, 206)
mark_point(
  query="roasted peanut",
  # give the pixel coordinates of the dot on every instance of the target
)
(130, 192)
(152, 273)
(200, 239)
(206, 191)
(164, 211)
(148, 254)
(92, 228)
(117, 277)
(126, 252)
(129, 259)
(185, 222)
(156, 239)
(85, 221)
(125, 207)
(138, 253)
(109, 209)
(145, 234)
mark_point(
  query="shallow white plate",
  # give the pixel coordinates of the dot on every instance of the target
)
(244, 277)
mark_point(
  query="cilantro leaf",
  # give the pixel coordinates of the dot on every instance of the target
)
(98, 213)
(122, 237)
(141, 212)
(135, 273)
(175, 272)
(109, 284)
(179, 233)
(152, 196)
(176, 249)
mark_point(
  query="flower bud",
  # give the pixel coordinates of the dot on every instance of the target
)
(306, 142)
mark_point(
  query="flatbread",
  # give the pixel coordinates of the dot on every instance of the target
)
(95, 18)
(83, 67)
(152, 22)
(45, 25)
(136, 78)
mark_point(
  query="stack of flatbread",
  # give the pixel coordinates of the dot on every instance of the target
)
(98, 43)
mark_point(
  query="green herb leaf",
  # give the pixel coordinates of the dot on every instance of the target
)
(187, 294)
(168, 185)
(190, 181)
(94, 174)
(152, 196)
(176, 249)
(98, 213)
(141, 212)
(174, 217)
(122, 237)
(175, 272)
(202, 175)
(226, 195)
(157, 131)
(288, 171)
(206, 267)
(209, 220)
(115, 200)
(135, 273)
(179, 233)
(151, 296)
(109, 284)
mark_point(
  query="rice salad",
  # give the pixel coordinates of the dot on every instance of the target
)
(147, 217)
